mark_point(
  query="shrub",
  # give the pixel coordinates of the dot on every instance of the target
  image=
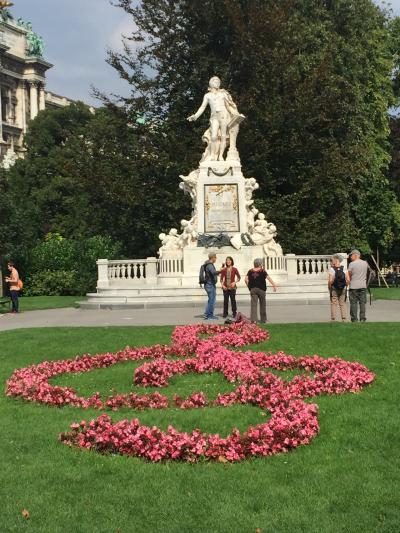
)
(60, 266)
(53, 283)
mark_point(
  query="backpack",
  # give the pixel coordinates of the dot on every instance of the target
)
(203, 277)
(340, 278)
(20, 284)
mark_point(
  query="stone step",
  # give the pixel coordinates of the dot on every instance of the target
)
(110, 304)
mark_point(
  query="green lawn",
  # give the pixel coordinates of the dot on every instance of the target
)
(32, 303)
(346, 480)
(382, 293)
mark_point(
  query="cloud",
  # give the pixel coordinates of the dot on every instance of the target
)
(77, 34)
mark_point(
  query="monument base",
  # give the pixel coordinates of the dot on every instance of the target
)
(172, 281)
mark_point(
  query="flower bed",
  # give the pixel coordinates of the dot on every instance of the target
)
(201, 349)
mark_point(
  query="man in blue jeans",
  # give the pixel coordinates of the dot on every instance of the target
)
(211, 275)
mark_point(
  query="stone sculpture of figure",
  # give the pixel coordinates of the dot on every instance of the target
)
(251, 215)
(264, 233)
(189, 186)
(224, 120)
(271, 247)
(189, 234)
(250, 185)
(34, 44)
(170, 241)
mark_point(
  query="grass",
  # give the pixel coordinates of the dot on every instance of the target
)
(382, 293)
(346, 480)
(33, 303)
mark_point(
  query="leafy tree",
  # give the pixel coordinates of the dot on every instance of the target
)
(313, 78)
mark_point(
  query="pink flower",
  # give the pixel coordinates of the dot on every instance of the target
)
(201, 349)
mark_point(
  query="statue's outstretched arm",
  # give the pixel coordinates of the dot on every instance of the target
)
(200, 111)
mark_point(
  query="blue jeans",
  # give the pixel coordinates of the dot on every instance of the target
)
(211, 291)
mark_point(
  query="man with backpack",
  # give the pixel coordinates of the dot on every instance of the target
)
(359, 275)
(337, 285)
(208, 278)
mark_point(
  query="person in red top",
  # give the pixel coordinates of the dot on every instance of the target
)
(229, 276)
(13, 281)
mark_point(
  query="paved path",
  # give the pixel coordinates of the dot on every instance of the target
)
(380, 311)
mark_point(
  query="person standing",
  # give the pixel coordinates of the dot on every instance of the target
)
(256, 282)
(357, 275)
(13, 281)
(229, 277)
(337, 284)
(210, 282)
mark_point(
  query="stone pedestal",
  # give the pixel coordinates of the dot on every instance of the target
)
(221, 198)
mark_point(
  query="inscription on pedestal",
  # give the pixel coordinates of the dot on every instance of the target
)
(221, 208)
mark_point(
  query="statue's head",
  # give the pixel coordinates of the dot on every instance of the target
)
(214, 83)
(261, 216)
(173, 231)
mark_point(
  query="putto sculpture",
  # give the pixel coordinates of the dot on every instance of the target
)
(224, 122)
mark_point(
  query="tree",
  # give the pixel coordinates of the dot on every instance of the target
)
(86, 175)
(313, 78)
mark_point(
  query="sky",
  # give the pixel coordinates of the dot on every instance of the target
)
(77, 34)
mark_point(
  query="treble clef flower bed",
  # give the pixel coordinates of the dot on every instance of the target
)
(201, 349)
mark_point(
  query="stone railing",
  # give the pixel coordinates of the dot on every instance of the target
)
(126, 272)
(307, 266)
(170, 264)
(134, 272)
(275, 264)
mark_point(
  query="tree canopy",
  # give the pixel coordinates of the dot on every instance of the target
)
(315, 80)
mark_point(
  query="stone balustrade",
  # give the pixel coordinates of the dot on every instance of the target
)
(126, 272)
(135, 272)
(313, 265)
(275, 263)
(171, 264)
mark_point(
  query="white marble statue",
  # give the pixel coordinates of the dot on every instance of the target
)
(224, 122)
(251, 216)
(264, 233)
(189, 233)
(271, 247)
(189, 186)
(171, 241)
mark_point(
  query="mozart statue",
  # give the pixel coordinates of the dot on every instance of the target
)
(224, 122)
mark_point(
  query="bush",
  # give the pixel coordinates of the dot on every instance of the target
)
(54, 253)
(62, 267)
(53, 283)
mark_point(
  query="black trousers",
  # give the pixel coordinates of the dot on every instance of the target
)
(230, 293)
(14, 300)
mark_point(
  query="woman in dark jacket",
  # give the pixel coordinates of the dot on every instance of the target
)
(256, 282)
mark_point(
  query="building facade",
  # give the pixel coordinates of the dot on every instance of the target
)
(22, 85)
